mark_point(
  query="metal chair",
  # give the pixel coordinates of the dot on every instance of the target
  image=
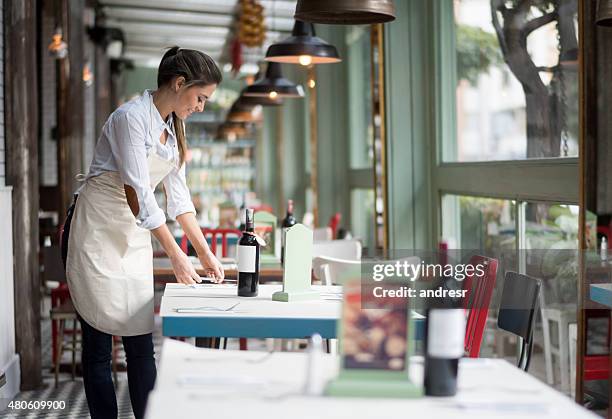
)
(518, 309)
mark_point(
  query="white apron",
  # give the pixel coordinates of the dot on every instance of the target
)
(110, 259)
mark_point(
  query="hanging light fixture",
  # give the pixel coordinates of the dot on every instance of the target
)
(87, 74)
(345, 12)
(58, 48)
(604, 13)
(256, 101)
(303, 47)
(273, 85)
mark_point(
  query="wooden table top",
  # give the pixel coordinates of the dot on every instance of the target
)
(162, 269)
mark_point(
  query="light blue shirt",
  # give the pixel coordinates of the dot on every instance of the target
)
(128, 136)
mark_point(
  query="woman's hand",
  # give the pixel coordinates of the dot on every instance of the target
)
(184, 271)
(213, 267)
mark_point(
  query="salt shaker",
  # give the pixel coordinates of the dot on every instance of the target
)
(315, 382)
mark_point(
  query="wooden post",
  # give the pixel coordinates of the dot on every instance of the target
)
(102, 82)
(21, 119)
(280, 159)
(70, 102)
(312, 107)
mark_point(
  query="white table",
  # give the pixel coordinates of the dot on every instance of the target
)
(194, 382)
(253, 317)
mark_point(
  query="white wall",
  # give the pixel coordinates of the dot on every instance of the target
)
(9, 361)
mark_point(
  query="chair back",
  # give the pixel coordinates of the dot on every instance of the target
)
(477, 301)
(338, 249)
(214, 234)
(334, 223)
(517, 311)
(322, 234)
(334, 271)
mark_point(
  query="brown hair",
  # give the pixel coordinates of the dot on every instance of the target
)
(198, 69)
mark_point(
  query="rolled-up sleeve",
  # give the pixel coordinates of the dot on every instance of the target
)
(177, 193)
(127, 141)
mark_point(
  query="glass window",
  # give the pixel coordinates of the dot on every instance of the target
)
(515, 100)
(362, 216)
(485, 224)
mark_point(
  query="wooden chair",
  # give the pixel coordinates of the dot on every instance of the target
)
(517, 311)
(477, 301)
(61, 314)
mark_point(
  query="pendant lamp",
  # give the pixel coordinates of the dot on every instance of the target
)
(345, 12)
(604, 13)
(273, 85)
(303, 47)
(261, 100)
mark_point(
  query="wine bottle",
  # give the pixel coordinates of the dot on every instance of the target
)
(248, 259)
(444, 335)
(289, 221)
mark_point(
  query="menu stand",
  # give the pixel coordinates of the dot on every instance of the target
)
(297, 267)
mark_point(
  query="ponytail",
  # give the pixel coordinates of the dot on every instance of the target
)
(196, 68)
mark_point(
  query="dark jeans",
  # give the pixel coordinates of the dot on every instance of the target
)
(96, 360)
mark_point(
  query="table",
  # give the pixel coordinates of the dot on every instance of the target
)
(162, 269)
(254, 317)
(194, 382)
(602, 294)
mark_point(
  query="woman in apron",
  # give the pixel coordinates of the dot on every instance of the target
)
(109, 263)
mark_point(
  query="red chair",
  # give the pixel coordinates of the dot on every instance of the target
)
(334, 223)
(477, 301)
(214, 233)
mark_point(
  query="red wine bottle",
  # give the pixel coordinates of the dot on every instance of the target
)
(289, 221)
(443, 348)
(248, 259)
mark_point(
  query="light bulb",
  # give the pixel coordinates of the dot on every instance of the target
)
(305, 59)
(273, 95)
(311, 83)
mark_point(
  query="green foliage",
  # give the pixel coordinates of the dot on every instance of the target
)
(477, 50)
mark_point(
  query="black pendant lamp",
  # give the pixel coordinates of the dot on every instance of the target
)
(345, 12)
(604, 13)
(303, 47)
(254, 101)
(273, 85)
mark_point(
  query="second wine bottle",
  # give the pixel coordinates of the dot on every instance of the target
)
(248, 258)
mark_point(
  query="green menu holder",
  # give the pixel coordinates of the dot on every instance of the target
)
(265, 227)
(376, 377)
(297, 267)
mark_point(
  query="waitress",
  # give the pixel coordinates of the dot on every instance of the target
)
(109, 257)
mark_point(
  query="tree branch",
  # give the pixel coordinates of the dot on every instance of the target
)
(495, 6)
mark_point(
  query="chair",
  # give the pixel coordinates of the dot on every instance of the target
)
(334, 223)
(517, 311)
(322, 234)
(61, 314)
(477, 301)
(214, 234)
(340, 249)
(563, 315)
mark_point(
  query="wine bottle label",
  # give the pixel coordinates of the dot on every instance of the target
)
(445, 333)
(246, 256)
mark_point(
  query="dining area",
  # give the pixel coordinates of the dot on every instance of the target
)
(348, 209)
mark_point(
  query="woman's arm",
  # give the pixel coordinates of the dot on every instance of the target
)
(182, 267)
(209, 261)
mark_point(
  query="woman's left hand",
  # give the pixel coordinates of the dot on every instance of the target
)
(212, 266)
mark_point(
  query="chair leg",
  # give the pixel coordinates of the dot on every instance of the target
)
(58, 351)
(74, 333)
(550, 378)
(243, 344)
(563, 353)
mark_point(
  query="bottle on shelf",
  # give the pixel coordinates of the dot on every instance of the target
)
(444, 338)
(289, 221)
(248, 259)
